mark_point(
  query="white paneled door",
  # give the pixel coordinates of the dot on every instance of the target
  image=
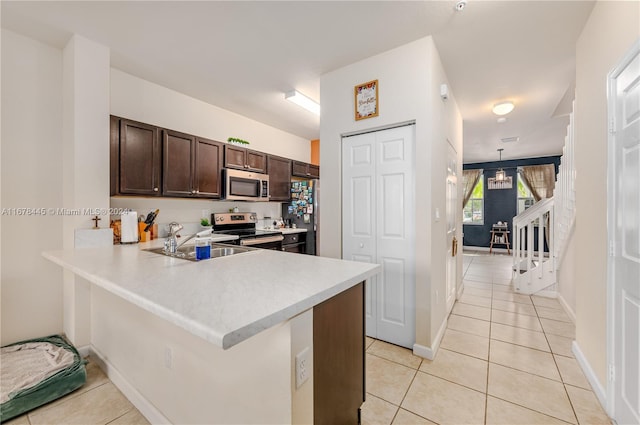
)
(453, 214)
(378, 225)
(624, 234)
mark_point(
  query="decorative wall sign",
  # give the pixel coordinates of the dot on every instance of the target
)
(366, 100)
(507, 183)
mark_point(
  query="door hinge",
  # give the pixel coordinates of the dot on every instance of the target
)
(612, 373)
(612, 249)
(612, 126)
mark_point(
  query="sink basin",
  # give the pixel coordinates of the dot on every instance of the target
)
(188, 252)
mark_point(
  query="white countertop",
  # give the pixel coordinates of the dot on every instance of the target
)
(223, 300)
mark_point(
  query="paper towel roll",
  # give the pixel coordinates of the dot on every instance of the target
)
(129, 230)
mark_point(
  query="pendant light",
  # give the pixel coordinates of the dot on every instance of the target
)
(500, 174)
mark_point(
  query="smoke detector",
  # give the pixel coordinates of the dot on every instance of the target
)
(459, 7)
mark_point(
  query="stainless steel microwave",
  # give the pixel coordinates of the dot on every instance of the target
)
(242, 185)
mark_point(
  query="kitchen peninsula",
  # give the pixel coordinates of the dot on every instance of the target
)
(216, 341)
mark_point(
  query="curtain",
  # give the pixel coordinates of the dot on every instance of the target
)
(541, 179)
(470, 180)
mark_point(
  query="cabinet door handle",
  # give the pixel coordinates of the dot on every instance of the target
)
(193, 192)
(155, 189)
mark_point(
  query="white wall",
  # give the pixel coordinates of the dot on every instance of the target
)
(566, 278)
(85, 177)
(409, 78)
(445, 122)
(610, 31)
(141, 100)
(31, 178)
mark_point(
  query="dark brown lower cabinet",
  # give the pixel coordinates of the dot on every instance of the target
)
(338, 358)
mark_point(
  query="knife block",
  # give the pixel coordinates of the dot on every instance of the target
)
(144, 236)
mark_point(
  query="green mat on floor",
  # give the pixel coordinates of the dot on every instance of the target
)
(48, 389)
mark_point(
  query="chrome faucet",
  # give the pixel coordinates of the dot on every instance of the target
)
(188, 238)
(171, 244)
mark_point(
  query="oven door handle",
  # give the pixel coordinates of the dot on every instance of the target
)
(259, 241)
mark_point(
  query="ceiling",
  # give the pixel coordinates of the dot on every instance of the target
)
(243, 55)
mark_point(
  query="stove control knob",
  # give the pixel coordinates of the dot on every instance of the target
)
(253, 217)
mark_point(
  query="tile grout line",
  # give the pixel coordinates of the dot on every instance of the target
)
(486, 396)
(564, 386)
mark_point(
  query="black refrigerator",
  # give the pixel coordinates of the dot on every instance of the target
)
(303, 211)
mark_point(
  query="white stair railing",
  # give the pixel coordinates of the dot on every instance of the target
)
(565, 194)
(534, 270)
(553, 220)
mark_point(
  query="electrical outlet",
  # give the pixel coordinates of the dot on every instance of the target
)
(302, 367)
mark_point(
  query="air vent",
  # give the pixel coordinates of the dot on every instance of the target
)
(510, 139)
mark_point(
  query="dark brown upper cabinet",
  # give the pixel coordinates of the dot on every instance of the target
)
(208, 168)
(279, 170)
(191, 166)
(245, 159)
(302, 169)
(179, 153)
(135, 158)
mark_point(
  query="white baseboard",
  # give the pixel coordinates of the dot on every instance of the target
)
(599, 391)
(484, 248)
(145, 407)
(429, 353)
(567, 308)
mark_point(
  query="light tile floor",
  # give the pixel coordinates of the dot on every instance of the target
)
(505, 358)
(98, 402)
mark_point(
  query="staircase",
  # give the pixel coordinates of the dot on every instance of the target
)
(565, 194)
(553, 220)
(534, 269)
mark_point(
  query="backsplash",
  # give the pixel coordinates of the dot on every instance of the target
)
(188, 212)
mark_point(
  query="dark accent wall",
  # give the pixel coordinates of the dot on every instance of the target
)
(499, 204)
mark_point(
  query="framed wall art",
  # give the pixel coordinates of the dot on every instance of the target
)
(366, 100)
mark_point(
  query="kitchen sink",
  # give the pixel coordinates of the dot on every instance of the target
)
(188, 252)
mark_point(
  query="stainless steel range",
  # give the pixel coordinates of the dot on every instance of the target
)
(243, 225)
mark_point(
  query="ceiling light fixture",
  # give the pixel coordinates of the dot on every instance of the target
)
(500, 174)
(302, 100)
(503, 108)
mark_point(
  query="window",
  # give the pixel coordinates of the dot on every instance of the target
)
(525, 197)
(473, 211)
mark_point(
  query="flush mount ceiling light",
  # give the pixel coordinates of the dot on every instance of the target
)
(500, 174)
(302, 100)
(503, 108)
